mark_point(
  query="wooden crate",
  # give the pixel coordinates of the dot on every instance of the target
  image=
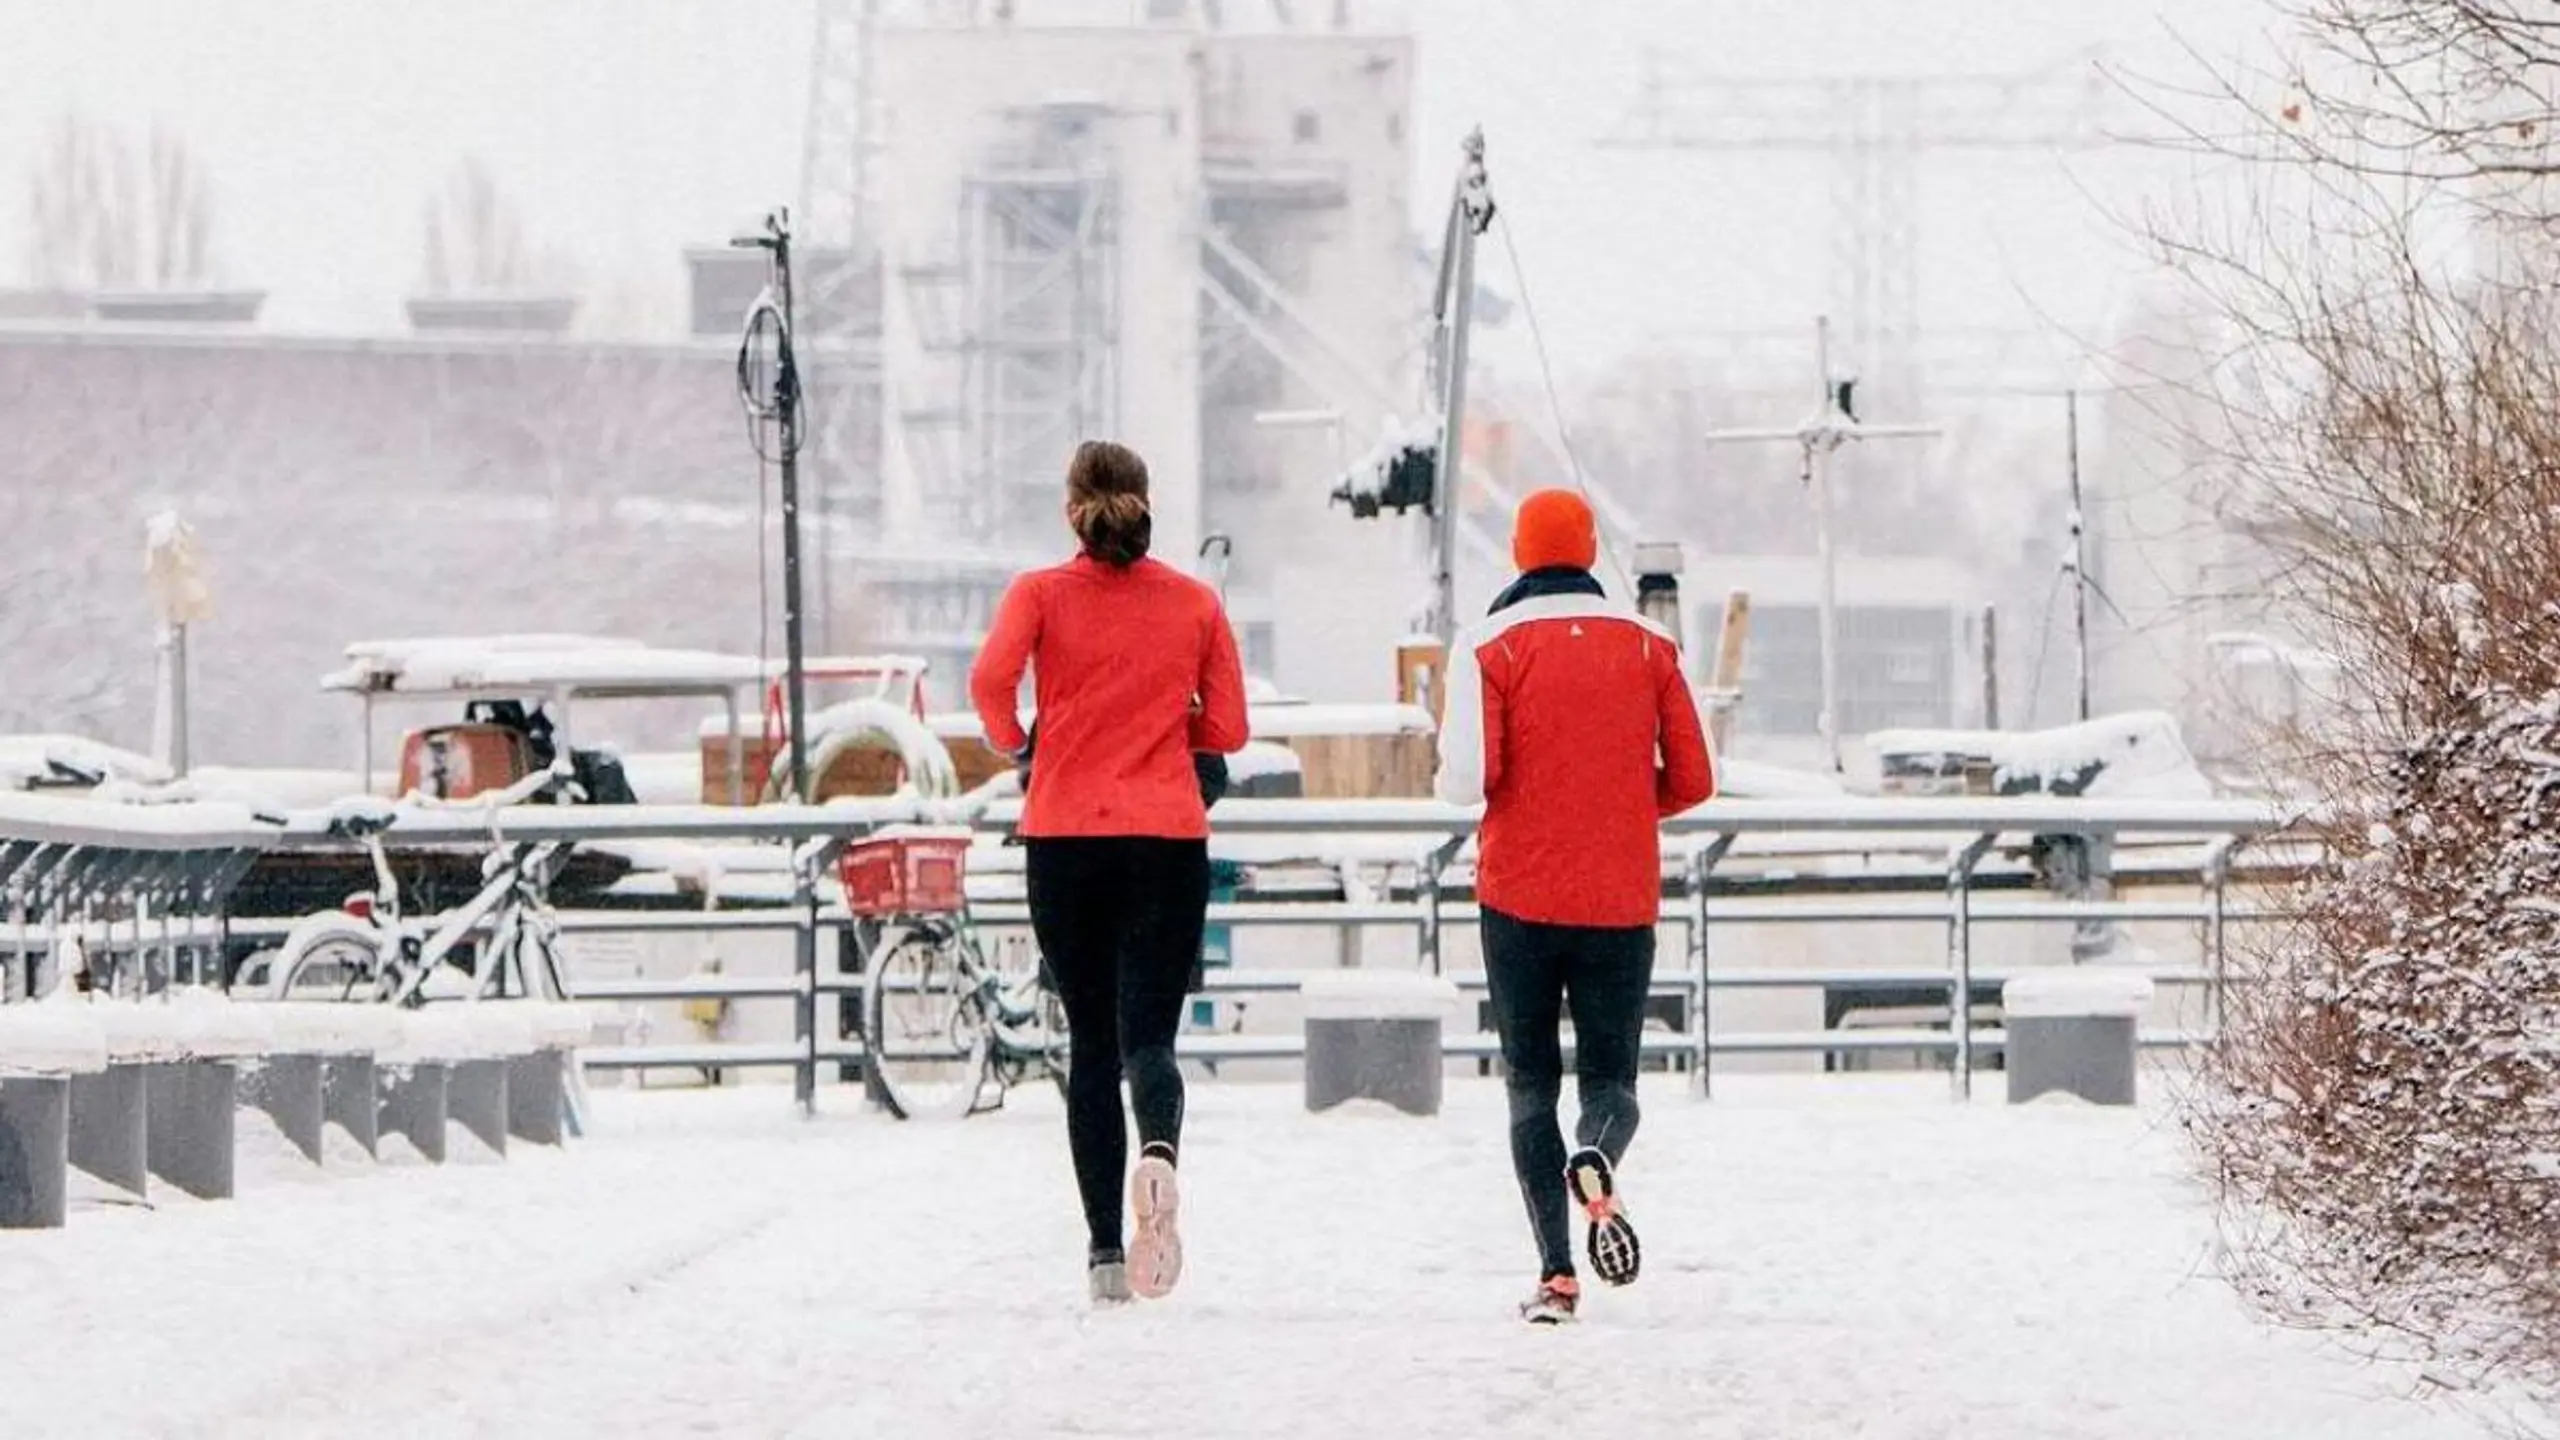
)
(1366, 767)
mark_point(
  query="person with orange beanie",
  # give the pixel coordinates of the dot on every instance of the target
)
(1570, 721)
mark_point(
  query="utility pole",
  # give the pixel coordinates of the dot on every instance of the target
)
(1834, 425)
(1452, 311)
(2079, 561)
(784, 410)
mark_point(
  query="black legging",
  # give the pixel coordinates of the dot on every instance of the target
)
(1119, 924)
(1536, 972)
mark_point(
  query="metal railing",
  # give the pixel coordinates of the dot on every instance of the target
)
(2194, 845)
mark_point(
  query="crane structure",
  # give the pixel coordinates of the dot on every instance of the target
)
(1876, 131)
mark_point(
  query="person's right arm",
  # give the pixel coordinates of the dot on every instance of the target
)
(995, 682)
(1223, 721)
(1471, 732)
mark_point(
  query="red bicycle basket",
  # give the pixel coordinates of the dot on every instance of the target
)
(906, 875)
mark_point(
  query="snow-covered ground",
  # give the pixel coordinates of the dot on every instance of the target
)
(1826, 1257)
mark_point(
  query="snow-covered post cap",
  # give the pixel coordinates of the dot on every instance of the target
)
(1377, 995)
(50, 1040)
(2075, 993)
(174, 571)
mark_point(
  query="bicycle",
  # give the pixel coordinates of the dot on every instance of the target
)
(368, 951)
(943, 1028)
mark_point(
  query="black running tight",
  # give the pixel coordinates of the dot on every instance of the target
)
(1539, 974)
(1119, 922)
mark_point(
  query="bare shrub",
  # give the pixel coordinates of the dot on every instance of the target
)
(2383, 1111)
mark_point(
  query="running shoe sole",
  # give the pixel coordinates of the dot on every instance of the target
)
(1616, 1256)
(1155, 1207)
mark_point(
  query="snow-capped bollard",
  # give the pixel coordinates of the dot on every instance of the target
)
(193, 1085)
(320, 1072)
(287, 1089)
(2073, 1030)
(476, 1099)
(537, 1082)
(39, 1053)
(191, 1127)
(1375, 1036)
(110, 1133)
(351, 1098)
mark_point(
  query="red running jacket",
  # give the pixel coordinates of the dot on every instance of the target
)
(1570, 721)
(1132, 670)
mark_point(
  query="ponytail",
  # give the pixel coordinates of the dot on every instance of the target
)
(1107, 502)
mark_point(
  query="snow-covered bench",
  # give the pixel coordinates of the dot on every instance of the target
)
(162, 1106)
(497, 1068)
(41, 1049)
(319, 1070)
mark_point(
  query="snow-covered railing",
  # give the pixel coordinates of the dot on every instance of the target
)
(2188, 843)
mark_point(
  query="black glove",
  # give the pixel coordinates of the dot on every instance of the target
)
(1211, 768)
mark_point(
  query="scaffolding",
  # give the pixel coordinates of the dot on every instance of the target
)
(1018, 328)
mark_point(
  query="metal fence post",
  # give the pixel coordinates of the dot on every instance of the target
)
(1702, 863)
(1429, 920)
(2217, 877)
(1960, 863)
(804, 1001)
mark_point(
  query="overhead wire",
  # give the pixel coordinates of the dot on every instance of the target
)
(1555, 403)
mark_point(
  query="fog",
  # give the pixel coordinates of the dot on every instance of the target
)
(616, 134)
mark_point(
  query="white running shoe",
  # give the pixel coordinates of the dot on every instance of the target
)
(1155, 1207)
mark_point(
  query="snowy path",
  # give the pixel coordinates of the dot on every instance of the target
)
(1826, 1258)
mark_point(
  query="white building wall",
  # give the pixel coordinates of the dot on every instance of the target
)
(948, 98)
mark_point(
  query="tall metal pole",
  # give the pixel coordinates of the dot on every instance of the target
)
(786, 395)
(1818, 477)
(2079, 555)
(1833, 426)
(1470, 211)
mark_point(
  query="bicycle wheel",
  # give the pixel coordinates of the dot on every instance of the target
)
(332, 963)
(927, 1034)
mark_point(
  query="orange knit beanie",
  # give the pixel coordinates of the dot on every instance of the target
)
(1554, 530)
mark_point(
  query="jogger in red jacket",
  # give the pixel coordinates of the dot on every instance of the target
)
(1134, 669)
(1570, 720)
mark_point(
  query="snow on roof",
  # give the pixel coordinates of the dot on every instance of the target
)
(28, 759)
(1291, 721)
(1260, 759)
(2139, 754)
(529, 662)
(1752, 780)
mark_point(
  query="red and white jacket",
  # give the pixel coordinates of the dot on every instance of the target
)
(1569, 720)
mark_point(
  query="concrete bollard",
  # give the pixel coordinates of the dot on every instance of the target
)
(476, 1099)
(2074, 1031)
(42, 1048)
(351, 1097)
(1375, 1036)
(322, 1073)
(191, 1126)
(35, 1152)
(537, 1097)
(414, 1106)
(110, 1126)
(291, 1090)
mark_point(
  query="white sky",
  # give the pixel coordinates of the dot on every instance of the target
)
(626, 130)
